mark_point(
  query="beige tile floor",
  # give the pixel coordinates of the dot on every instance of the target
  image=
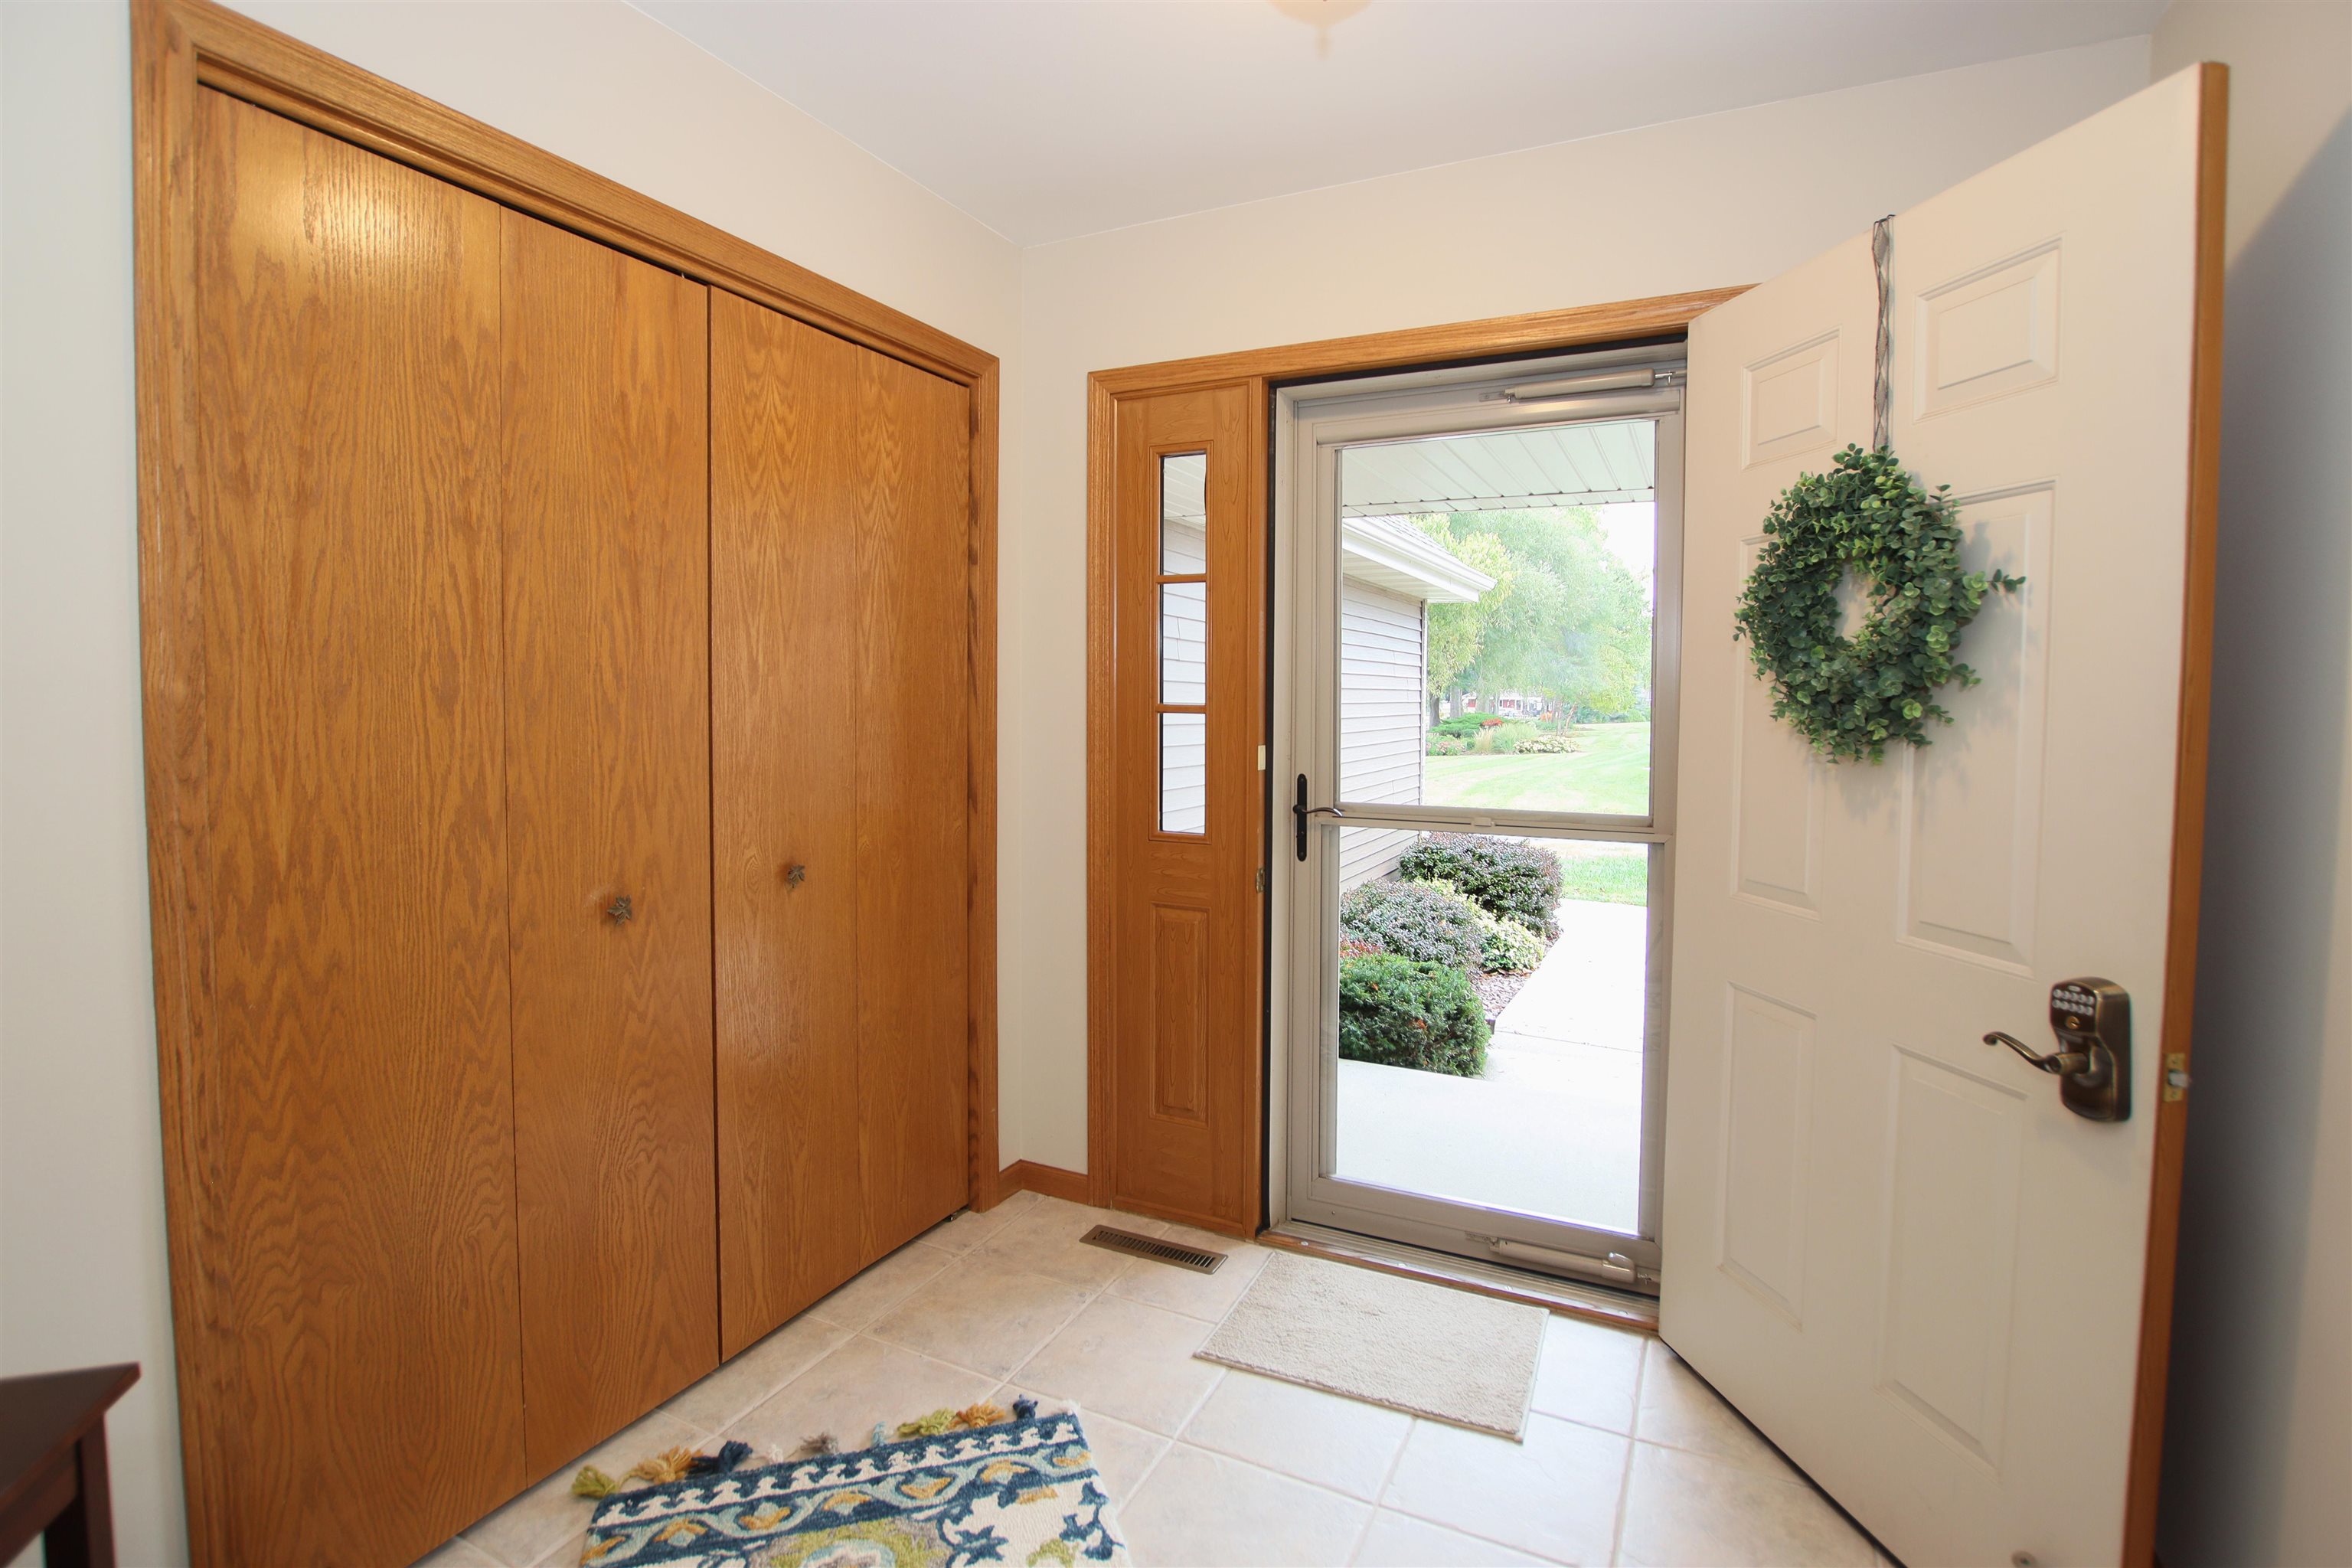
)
(1629, 1457)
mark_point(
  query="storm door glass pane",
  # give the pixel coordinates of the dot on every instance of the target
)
(1491, 1042)
(1495, 601)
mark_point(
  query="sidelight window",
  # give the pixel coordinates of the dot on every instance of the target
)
(1183, 633)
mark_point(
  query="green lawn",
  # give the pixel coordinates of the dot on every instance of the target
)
(1603, 873)
(1611, 775)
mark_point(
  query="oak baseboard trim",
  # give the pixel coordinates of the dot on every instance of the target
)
(1047, 1181)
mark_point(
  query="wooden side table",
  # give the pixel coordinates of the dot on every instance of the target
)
(53, 1464)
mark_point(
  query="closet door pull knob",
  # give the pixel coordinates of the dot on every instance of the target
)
(622, 911)
(795, 873)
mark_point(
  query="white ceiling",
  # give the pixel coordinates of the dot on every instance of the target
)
(1047, 119)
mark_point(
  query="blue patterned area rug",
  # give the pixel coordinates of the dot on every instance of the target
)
(1024, 1493)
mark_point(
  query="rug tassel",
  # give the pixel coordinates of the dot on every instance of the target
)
(1025, 1410)
(818, 1446)
(670, 1465)
(930, 1426)
(592, 1482)
(730, 1454)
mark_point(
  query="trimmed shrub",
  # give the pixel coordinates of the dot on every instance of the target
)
(1505, 947)
(1512, 880)
(1418, 923)
(1546, 745)
(1404, 1014)
(1441, 745)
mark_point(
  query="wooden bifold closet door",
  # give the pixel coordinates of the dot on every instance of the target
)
(560, 708)
(345, 1181)
(840, 619)
(608, 802)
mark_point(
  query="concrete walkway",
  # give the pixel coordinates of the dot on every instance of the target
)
(1555, 1127)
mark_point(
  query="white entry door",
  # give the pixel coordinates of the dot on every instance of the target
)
(1886, 1242)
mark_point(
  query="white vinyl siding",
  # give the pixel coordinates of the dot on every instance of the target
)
(1381, 715)
(1184, 675)
(1183, 772)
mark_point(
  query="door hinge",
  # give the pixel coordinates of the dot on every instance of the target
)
(1260, 878)
(2176, 1076)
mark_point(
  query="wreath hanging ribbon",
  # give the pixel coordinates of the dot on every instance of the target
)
(1870, 517)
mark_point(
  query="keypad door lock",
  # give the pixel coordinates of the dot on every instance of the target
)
(2092, 1019)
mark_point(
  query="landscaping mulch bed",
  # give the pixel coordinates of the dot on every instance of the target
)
(1495, 991)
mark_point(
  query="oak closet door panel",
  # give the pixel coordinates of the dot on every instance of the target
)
(608, 647)
(351, 1374)
(785, 515)
(913, 711)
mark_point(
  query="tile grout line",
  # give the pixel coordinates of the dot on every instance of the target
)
(1632, 1448)
(1013, 1376)
(790, 1378)
(1381, 1492)
(1499, 1545)
(1375, 1506)
(1472, 1534)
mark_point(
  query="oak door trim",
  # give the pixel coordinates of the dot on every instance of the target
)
(980, 782)
(171, 650)
(1102, 751)
(2147, 1452)
(182, 47)
(1535, 333)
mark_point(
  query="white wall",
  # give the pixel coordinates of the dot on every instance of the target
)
(82, 1275)
(2258, 1449)
(81, 1187)
(1729, 198)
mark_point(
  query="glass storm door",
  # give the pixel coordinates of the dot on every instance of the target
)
(1483, 580)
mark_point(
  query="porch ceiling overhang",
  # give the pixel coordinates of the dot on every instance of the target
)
(1502, 470)
(1383, 484)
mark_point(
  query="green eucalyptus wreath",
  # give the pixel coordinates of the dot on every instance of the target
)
(1867, 516)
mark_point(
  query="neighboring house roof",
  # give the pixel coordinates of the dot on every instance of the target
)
(1391, 552)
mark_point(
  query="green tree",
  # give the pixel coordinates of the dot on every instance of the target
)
(1565, 619)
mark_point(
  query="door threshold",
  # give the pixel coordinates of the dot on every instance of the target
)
(1617, 1308)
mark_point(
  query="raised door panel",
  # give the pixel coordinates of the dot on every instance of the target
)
(785, 520)
(608, 773)
(341, 1101)
(911, 714)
